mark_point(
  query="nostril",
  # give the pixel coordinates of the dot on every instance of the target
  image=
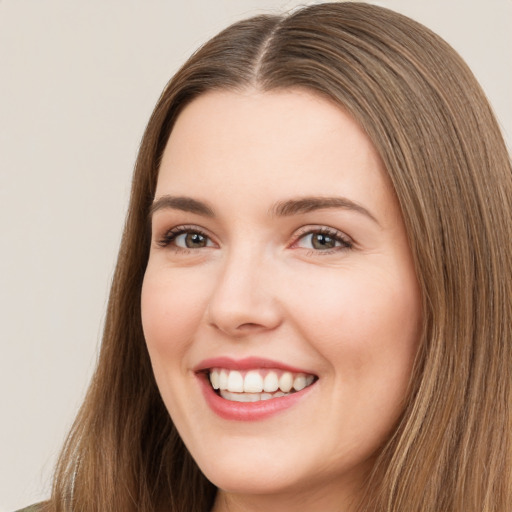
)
(242, 305)
(237, 327)
(249, 326)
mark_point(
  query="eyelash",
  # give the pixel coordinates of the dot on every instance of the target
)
(338, 237)
(171, 235)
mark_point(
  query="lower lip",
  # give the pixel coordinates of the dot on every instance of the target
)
(248, 411)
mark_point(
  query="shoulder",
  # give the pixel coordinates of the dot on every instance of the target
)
(33, 508)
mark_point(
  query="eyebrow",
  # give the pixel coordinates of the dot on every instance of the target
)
(281, 209)
(186, 204)
(309, 204)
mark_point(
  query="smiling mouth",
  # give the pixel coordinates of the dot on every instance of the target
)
(257, 385)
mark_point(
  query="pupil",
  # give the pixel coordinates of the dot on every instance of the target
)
(195, 240)
(321, 241)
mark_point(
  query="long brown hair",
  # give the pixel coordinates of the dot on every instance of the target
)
(442, 148)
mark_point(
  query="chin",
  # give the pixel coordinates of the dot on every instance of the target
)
(265, 479)
(248, 468)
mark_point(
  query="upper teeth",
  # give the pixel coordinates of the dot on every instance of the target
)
(258, 381)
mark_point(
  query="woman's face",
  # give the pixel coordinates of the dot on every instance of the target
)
(279, 258)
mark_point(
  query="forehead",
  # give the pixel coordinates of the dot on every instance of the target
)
(269, 143)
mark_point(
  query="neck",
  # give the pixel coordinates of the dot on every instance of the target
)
(334, 498)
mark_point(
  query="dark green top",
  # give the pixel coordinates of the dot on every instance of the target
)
(32, 508)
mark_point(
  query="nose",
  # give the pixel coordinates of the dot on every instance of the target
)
(243, 301)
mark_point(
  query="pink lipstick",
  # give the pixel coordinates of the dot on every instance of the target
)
(252, 388)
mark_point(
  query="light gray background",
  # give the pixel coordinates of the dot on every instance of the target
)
(78, 81)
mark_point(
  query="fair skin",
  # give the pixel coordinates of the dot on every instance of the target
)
(246, 275)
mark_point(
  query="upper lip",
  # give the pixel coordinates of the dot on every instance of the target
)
(247, 363)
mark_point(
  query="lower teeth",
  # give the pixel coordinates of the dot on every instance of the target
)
(250, 397)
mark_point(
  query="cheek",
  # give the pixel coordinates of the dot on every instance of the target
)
(365, 328)
(366, 324)
(172, 308)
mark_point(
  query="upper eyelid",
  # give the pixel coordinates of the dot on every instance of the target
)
(166, 236)
(317, 227)
(322, 229)
(184, 228)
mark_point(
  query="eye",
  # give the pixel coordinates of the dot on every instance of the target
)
(323, 240)
(183, 237)
(191, 240)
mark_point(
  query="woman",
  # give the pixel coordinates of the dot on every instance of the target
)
(311, 307)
